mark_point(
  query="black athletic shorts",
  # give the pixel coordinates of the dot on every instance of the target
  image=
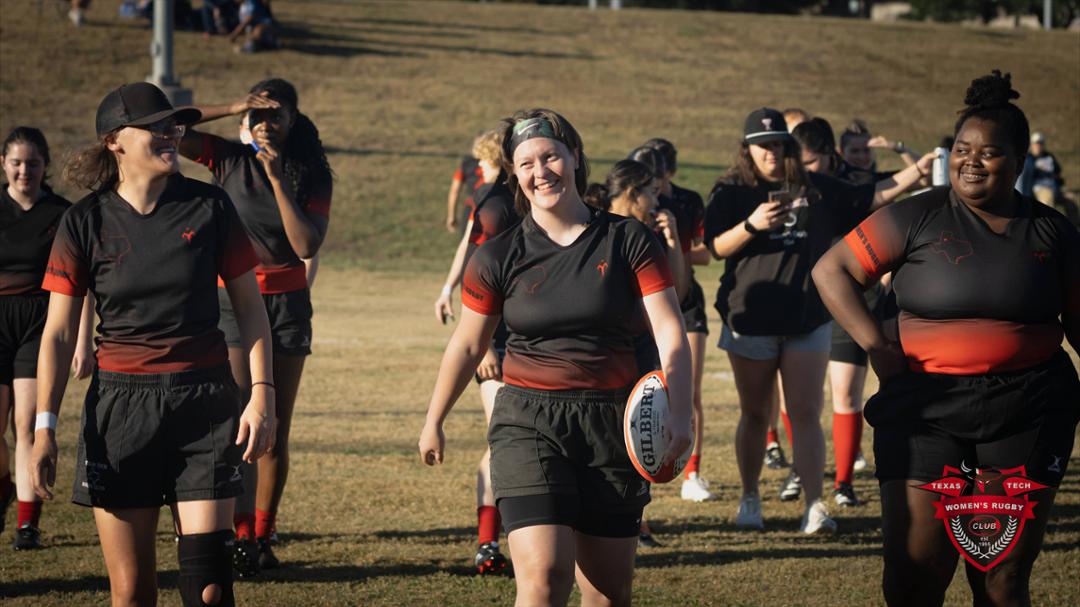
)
(559, 458)
(693, 310)
(882, 304)
(22, 317)
(925, 421)
(154, 439)
(844, 349)
(290, 321)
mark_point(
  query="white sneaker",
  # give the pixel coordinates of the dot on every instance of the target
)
(696, 489)
(816, 520)
(749, 515)
(860, 463)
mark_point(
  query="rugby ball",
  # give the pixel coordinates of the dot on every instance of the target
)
(643, 429)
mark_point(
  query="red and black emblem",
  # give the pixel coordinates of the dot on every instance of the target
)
(984, 514)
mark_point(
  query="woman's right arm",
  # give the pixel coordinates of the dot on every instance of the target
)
(443, 307)
(464, 352)
(54, 359)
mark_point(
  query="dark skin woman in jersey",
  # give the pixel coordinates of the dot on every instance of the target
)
(281, 184)
(559, 465)
(978, 380)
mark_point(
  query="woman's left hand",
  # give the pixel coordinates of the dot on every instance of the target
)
(83, 362)
(668, 227)
(258, 424)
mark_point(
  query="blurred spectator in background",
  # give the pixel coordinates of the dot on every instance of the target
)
(1046, 179)
(78, 7)
(256, 25)
(857, 146)
(469, 175)
(794, 116)
(219, 16)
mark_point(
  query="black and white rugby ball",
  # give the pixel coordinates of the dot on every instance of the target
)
(643, 428)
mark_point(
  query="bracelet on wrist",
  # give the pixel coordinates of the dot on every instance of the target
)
(264, 383)
(45, 421)
(749, 227)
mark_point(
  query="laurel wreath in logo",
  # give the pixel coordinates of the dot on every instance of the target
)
(973, 549)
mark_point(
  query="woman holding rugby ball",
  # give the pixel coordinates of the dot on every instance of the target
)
(771, 220)
(162, 421)
(570, 282)
(279, 179)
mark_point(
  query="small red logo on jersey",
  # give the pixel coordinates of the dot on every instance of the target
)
(602, 267)
(953, 248)
(188, 234)
(1041, 255)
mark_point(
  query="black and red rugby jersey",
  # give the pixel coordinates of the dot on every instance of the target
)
(471, 176)
(572, 312)
(973, 301)
(494, 214)
(154, 276)
(239, 172)
(25, 240)
(766, 287)
(689, 211)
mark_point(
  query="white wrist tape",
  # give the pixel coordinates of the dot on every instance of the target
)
(446, 290)
(46, 421)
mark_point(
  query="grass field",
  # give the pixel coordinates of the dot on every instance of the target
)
(397, 89)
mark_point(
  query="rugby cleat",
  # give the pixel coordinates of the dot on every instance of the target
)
(267, 560)
(489, 561)
(774, 457)
(816, 520)
(749, 514)
(27, 537)
(245, 558)
(844, 495)
(696, 489)
(791, 488)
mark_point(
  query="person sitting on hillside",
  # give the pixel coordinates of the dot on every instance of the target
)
(1046, 178)
(257, 25)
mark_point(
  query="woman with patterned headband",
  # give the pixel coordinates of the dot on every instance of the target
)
(569, 281)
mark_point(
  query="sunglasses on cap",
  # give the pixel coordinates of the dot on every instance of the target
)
(165, 129)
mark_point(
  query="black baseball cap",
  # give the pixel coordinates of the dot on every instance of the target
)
(764, 125)
(139, 104)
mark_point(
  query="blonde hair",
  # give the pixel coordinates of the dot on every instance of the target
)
(488, 147)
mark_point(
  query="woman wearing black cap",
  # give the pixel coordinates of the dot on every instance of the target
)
(29, 215)
(161, 423)
(570, 282)
(771, 220)
(978, 381)
(280, 181)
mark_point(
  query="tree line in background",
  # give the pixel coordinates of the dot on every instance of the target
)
(1064, 11)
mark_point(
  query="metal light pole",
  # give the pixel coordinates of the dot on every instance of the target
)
(161, 52)
(1048, 15)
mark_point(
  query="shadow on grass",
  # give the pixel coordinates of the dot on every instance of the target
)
(87, 583)
(315, 573)
(436, 536)
(447, 25)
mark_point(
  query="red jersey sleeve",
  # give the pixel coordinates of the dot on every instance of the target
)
(647, 260)
(880, 241)
(459, 175)
(480, 287)
(318, 202)
(67, 271)
(213, 153)
(236, 255)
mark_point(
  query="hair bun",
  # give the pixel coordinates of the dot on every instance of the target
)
(597, 195)
(993, 90)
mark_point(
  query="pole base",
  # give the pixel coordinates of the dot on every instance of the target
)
(177, 94)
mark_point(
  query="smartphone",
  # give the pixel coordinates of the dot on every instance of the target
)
(782, 196)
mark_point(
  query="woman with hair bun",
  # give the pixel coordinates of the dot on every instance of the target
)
(281, 183)
(571, 282)
(978, 382)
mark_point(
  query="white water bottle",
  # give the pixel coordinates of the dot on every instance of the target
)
(939, 175)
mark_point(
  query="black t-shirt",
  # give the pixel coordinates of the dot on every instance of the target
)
(25, 240)
(689, 211)
(154, 276)
(973, 301)
(572, 311)
(766, 287)
(494, 214)
(240, 173)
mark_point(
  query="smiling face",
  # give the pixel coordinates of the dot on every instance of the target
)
(544, 169)
(24, 168)
(148, 151)
(768, 159)
(983, 165)
(858, 154)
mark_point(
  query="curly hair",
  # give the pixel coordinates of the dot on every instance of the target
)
(488, 146)
(303, 157)
(990, 98)
(564, 132)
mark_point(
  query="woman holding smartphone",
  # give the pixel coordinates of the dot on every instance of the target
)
(771, 221)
